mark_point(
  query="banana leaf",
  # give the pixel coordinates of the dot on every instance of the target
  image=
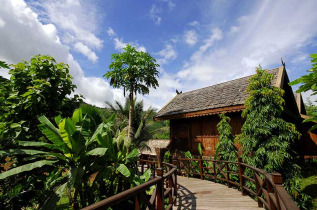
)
(97, 152)
(26, 167)
(124, 170)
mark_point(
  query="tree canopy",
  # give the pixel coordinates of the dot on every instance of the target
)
(133, 70)
(266, 138)
(309, 82)
(136, 72)
(38, 87)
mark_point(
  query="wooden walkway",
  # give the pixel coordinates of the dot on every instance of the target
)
(202, 194)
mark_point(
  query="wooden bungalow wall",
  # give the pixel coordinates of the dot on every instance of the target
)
(187, 133)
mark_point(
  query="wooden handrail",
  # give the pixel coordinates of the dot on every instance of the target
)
(268, 191)
(157, 199)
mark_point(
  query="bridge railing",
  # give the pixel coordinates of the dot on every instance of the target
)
(163, 196)
(266, 188)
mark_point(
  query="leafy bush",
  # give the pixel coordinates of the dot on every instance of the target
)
(226, 150)
(38, 87)
(266, 138)
(309, 82)
(87, 164)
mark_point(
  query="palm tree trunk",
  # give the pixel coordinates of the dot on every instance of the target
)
(130, 128)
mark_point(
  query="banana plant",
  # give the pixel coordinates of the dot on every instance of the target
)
(77, 159)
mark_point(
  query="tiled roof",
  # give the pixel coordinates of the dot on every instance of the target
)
(216, 96)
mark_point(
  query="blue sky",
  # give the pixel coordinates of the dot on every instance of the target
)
(197, 43)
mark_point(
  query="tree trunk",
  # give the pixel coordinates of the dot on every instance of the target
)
(130, 128)
(74, 200)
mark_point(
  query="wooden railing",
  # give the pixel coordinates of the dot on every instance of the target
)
(165, 187)
(265, 188)
(268, 190)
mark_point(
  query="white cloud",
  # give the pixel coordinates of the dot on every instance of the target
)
(234, 29)
(170, 4)
(194, 23)
(38, 38)
(168, 53)
(111, 32)
(164, 93)
(2, 23)
(156, 11)
(155, 14)
(308, 95)
(260, 37)
(191, 37)
(119, 44)
(75, 19)
(80, 47)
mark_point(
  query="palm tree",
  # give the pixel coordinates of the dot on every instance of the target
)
(136, 72)
(141, 122)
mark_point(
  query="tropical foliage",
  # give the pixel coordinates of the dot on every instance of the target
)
(87, 164)
(142, 121)
(310, 107)
(38, 87)
(309, 82)
(267, 139)
(226, 150)
(136, 72)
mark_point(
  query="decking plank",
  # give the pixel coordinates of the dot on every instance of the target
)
(202, 194)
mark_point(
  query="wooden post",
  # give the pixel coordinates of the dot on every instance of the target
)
(258, 188)
(142, 164)
(137, 202)
(227, 168)
(160, 155)
(170, 194)
(269, 188)
(201, 168)
(175, 163)
(160, 190)
(277, 180)
(214, 166)
(175, 189)
(241, 172)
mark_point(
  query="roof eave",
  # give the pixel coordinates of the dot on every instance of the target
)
(200, 113)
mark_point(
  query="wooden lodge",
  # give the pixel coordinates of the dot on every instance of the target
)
(194, 116)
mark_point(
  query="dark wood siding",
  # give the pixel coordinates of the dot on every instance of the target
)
(186, 134)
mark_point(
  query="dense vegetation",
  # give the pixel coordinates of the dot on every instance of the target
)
(50, 151)
(309, 83)
(36, 88)
(226, 150)
(266, 138)
(54, 146)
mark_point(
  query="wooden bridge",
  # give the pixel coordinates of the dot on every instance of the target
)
(197, 183)
(195, 193)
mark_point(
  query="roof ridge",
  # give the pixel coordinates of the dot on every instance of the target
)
(226, 81)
